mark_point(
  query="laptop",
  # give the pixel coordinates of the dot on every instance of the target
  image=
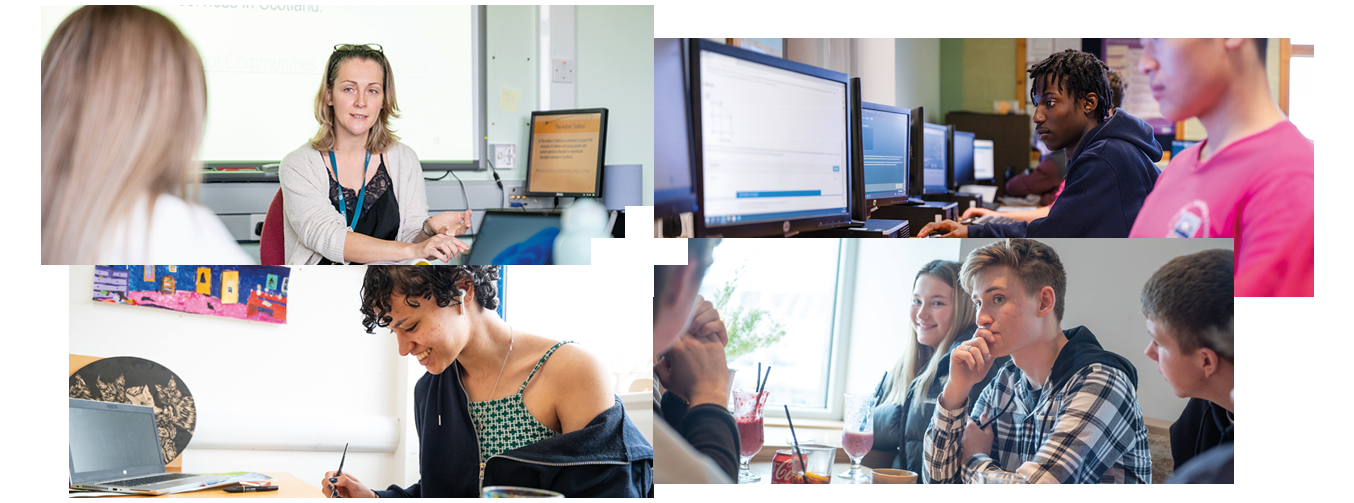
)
(501, 229)
(116, 447)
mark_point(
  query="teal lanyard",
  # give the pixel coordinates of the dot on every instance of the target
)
(361, 194)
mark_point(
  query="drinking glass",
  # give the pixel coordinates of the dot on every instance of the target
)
(999, 478)
(857, 434)
(747, 412)
(819, 458)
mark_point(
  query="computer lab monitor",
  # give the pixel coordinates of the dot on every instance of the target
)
(886, 136)
(933, 159)
(673, 192)
(982, 160)
(961, 157)
(566, 149)
(917, 119)
(773, 141)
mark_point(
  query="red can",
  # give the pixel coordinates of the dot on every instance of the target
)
(785, 469)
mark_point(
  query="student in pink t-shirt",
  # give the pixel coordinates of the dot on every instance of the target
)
(1251, 179)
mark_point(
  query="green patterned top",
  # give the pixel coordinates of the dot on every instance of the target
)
(504, 424)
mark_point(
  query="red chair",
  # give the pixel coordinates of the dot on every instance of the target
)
(272, 248)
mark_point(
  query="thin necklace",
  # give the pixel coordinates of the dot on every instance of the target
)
(512, 336)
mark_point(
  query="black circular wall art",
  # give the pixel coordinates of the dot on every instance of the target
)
(137, 381)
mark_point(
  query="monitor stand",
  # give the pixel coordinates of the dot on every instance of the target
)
(966, 200)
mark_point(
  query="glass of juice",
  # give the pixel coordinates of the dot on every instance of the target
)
(857, 434)
(747, 412)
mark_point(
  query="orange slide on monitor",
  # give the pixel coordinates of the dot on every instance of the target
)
(567, 148)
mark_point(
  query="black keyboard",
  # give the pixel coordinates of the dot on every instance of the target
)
(993, 219)
(153, 479)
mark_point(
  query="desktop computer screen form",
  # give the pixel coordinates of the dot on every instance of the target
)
(885, 135)
(673, 191)
(963, 159)
(982, 160)
(773, 142)
(933, 158)
(566, 151)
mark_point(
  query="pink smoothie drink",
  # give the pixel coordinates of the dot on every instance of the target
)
(750, 435)
(857, 444)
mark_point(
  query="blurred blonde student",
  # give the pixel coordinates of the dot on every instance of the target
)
(121, 126)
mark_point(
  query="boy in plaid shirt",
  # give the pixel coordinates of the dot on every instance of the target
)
(1063, 410)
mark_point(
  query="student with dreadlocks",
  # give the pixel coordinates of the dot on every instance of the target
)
(1252, 179)
(1110, 156)
(1049, 174)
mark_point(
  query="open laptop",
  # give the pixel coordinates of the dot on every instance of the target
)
(116, 447)
(501, 229)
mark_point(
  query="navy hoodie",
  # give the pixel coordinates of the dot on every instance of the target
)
(607, 458)
(1107, 181)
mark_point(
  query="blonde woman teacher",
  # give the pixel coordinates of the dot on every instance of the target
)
(121, 127)
(353, 193)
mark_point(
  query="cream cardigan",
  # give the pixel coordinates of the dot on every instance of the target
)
(313, 229)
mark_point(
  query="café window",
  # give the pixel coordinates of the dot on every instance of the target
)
(780, 300)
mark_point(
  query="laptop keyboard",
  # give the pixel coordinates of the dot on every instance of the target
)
(153, 479)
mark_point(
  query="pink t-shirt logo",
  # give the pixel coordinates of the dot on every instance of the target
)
(1191, 221)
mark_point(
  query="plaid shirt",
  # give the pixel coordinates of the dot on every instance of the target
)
(1089, 431)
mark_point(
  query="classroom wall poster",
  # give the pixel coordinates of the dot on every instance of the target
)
(257, 293)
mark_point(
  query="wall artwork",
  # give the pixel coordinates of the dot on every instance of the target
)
(257, 293)
(137, 381)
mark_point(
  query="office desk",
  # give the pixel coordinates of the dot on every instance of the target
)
(288, 486)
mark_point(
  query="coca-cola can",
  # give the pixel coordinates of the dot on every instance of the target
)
(785, 468)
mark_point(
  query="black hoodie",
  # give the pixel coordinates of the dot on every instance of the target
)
(608, 458)
(1107, 181)
(1081, 350)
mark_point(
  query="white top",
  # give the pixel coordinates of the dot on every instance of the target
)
(177, 232)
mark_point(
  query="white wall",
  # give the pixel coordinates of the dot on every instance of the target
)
(319, 379)
(615, 70)
(1104, 282)
(918, 74)
(873, 62)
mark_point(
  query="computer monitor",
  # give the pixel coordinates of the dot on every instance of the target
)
(773, 139)
(982, 160)
(962, 159)
(933, 159)
(886, 135)
(917, 119)
(566, 149)
(673, 192)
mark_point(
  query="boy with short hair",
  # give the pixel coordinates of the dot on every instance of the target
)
(1188, 305)
(1252, 179)
(1110, 156)
(1063, 410)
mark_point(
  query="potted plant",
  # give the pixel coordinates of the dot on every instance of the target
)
(749, 328)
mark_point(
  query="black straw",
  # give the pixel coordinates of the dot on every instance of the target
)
(802, 464)
(762, 387)
(756, 385)
(878, 390)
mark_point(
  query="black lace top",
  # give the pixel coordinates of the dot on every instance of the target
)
(380, 216)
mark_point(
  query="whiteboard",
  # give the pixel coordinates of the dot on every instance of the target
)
(264, 64)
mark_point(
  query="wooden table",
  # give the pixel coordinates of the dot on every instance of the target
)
(288, 486)
(763, 468)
